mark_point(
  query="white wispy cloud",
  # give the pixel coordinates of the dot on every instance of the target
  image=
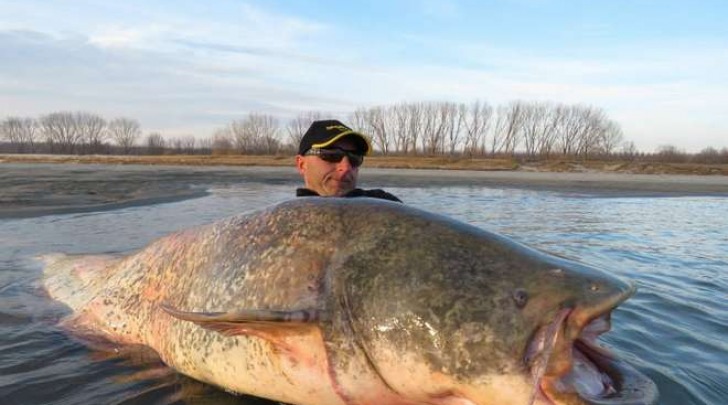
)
(187, 65)
(129, 37)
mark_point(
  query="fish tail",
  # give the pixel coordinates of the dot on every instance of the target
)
(50, 258)
(74, 279)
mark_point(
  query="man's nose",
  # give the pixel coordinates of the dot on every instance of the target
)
(344, 164)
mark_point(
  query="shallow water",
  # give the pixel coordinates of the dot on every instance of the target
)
(674, 248)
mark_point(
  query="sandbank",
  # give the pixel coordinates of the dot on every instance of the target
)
(34, 189)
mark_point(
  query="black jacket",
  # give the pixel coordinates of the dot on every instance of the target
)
(357, 192)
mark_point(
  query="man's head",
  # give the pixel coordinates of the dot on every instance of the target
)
(329, 157)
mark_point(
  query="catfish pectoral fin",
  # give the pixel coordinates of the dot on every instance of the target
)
(272, 326)
(248, 315)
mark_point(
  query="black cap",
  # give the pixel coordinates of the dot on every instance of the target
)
(322, 134)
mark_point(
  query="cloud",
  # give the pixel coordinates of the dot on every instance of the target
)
(163, 89)
(193, 66)
(240, 25)
(128, 37)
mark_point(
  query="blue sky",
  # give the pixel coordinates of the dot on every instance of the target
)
(659, 68)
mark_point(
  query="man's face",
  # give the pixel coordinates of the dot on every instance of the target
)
(329, 178)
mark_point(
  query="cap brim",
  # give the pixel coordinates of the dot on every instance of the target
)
(345, 134)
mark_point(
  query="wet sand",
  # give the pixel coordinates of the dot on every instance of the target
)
(28, 190)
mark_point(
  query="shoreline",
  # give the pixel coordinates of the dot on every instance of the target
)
(37, 189)
(418, 162)
(597, 183)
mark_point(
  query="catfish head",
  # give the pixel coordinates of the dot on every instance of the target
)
(440, 312)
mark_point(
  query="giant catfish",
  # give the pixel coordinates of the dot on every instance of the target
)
(322, 301)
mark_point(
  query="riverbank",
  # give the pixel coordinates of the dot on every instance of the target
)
(32, 189)
(390, 162)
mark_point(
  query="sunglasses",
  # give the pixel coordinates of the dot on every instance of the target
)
(335, 155)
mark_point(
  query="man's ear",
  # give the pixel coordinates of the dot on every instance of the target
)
(300, 164)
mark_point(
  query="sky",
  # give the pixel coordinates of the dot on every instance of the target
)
(659, 68)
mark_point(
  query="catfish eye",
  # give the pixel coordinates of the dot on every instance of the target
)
(520, 296)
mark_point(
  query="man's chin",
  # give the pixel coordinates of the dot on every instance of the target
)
(340, 189)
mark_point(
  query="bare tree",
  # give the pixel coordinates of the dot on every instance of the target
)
(222, 142)
(571, 127)
(712, 155)
(629, 150)
(580, 131)
(155, 144)
(181, 145)
(547, 143)
(505, 137)
(433, 128)
(476, 126)
(174, 145)
(91, 131)
(21, 133)
(299, 125)
(359, 120)
(9, 131)
(204, 146)
(239, 135)
(590, 131)
(60, 130)
(125, 132)
(671, 153)
(610, 136)
(453, 118)
(257, 133)
(379, 121)
(538, 124)
(188, 144)
(416, 113)
(267, 130)
(400, 135)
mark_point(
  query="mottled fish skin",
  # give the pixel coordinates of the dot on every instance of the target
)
(387, 304)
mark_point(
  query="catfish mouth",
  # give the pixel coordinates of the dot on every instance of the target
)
(580, 367)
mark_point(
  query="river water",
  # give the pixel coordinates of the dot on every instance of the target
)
(675, 329)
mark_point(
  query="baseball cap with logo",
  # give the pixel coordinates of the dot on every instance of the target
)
(322, 134)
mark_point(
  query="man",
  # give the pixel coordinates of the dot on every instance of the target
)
(329, 157)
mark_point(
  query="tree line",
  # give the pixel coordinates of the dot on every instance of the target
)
(531, 129)
(77, 132)
(522, 129)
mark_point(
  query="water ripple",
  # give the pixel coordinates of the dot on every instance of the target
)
(675, 250)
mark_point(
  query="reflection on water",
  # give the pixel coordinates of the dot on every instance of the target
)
(675, 249)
